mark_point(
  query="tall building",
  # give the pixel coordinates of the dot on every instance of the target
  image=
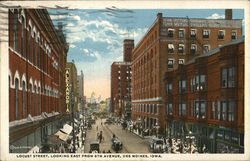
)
(80, 82)
(72, 87)
(169, 43)
(37, 58)
(205, 98)
(121, 82)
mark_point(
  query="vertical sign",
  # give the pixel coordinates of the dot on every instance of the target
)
(67, 89)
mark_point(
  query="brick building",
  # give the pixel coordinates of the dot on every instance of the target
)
(37, 60)
(169, 43)
(205, 99)
(121, 82)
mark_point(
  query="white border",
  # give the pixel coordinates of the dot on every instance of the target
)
(180, 4)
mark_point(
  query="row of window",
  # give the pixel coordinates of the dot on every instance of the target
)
(147, 108)
(171, 62)
(33, 99)
(221, 110)
(33, 44)
(181, 48)
(205, 33)
(199, 82)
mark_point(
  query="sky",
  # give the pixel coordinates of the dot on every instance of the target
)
(96, 37)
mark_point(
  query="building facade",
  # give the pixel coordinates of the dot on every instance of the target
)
(205, 99)
(37, 58)
(80, 82)
(72, 85)
(121, 82)
(169, 43)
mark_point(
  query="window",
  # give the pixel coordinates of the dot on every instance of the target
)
(181, 33)
(181, 49)
(30, 43)
(182, 86)
(35, 99)
(226, 110)
(234, 35)
(16, 99)
(170, 48)
(218, 110)
(181, 61)
(206, 48)
(221, 34)
(193, 49)
(170, 32)
(38, 53)
(170, 63)
(23, 36)
(193, 33)
(182, 109)
(228, 77)
(200, 109)
(15, 30)
(213, 112)
(24, 100)
(30, 100)
(155, 109)
(206, 34)
(34, 52)
(198, 83)
(169, 88)
(169, 109)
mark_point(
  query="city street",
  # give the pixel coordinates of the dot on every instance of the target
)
(131, 142)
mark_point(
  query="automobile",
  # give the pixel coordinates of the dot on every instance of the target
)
(94, 147)
(91, 121)
(157, 145)
(116, 145)
(108, 121)
(89, 126)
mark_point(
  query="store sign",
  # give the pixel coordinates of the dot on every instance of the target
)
(67, 91)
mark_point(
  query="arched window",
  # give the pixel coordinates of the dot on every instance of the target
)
(29, 42)
(35, 100)
(34, 50)
(15, 30)
(30, 99)
(16, 99)
(23, 37)
(39, 100)
(24, 100)
(38, 52)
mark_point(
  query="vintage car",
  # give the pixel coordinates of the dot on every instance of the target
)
(108, 121)
(157, 145)
(94, 147)
(116, 144)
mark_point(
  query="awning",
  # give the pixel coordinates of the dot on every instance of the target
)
(170, 46)
(62, 135)
(67, 129)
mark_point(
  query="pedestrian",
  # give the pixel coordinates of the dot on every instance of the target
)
(97, 135)
(96, 127)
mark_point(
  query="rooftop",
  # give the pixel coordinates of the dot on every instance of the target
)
(212, 52)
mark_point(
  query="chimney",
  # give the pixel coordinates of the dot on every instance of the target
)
(228, 14)
(159, 15)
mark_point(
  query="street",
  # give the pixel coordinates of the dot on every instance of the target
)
(131, 142)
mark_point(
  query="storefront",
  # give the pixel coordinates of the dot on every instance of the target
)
(208, 138)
